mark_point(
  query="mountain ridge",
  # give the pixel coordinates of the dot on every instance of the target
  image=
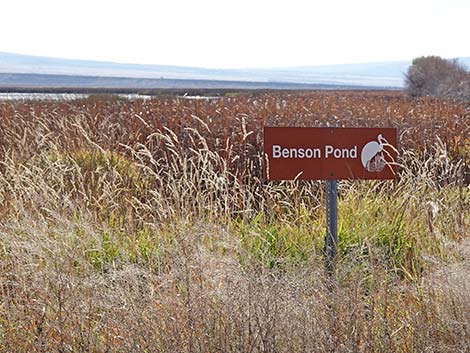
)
(388, 74)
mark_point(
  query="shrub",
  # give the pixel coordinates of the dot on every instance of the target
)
(437, 77)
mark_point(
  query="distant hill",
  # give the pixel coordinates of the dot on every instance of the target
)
(26, 70)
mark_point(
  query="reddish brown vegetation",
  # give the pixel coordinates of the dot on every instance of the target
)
(226, 124)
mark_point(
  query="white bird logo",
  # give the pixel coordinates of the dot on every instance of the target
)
(372, 156)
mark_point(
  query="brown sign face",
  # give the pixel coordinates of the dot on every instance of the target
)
(330, 153)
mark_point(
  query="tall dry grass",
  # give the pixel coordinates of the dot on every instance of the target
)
(118, 235)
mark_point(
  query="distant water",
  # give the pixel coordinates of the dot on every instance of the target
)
(58, 96)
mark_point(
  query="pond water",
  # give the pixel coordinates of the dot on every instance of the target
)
(58, 96)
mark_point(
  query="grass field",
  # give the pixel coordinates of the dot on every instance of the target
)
(146, 226)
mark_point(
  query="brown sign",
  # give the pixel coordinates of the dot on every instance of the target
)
(330, 153)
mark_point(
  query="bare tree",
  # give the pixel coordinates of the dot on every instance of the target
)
(435, 76)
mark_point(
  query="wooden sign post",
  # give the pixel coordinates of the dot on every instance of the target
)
(331, 154)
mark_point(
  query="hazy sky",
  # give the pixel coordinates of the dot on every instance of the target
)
(241, 33)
